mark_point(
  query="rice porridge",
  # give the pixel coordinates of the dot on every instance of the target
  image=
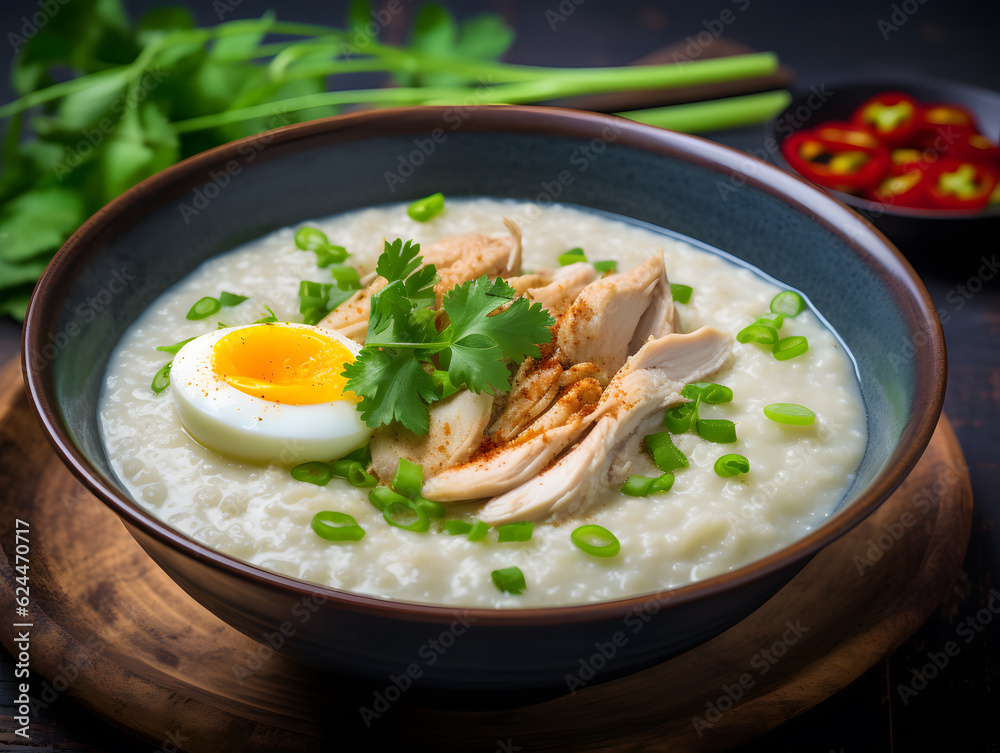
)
(706, 524)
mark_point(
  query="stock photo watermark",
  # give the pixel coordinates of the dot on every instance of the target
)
(899, 14)
(219, 180)
(428, 654)
(763, 661)
(34, 23)
(967, 630)
(922, 502)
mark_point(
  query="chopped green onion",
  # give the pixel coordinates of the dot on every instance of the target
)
(204, 308)
(382, 496)
(346, 277)
(363, 455)
(758, 333)
(788, 302)
(314, 472)
(433, 509)
(396, 512)
(336, 526)
(789, 413)
(643, 486)
(679, 419)
(790, 347)
(355, 473)
(519, 531)
(268, 318)
(315, 240)
(597, 541)
(719, 430)
(771, 320)
(409, 478)
(681, 293)
(606, 266)
(732, 465)
(662, 484)
(479, 530)
(573, 256)
(665, 454)
(317, 299)
(310, 238)
(230, 299)
(636, 486)
(710, 392)
(330, 255)
(423, 210)
(456, 527)
(161, 380)
(172, 349)
(509, 580)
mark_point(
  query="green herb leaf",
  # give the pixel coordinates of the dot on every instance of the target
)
(393, 387)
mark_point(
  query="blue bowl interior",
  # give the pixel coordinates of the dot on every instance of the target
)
(139, 254)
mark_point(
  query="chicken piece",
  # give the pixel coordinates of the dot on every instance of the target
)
(660, 317)
(482, 255)
(651, 381)
(351, 317)
(511, 465)
(565, 286)
(457, 429)
(523, 283)
(535, 386)
(581, 371)
(600, 323)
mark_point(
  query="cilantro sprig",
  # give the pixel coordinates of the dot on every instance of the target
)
(406, 364)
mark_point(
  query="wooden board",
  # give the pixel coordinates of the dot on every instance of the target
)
(113, 632)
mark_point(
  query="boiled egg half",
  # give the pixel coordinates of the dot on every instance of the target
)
(269, 393)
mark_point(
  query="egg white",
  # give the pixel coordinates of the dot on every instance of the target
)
(239, 425)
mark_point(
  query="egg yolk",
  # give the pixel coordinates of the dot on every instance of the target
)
(288, 365)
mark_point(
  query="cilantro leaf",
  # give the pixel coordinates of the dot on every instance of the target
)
(398, 260)
(387, 321)
(420, 286)
(515, 330)
(478, 361)
(393, 386)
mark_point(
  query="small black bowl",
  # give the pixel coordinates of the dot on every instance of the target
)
(915, 232)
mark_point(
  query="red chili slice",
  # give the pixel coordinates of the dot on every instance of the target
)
(960, 184)
(904, 186)
(849, 167)
(891, 115)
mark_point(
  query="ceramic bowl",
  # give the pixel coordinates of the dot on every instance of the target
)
(915, 231)
(159, 231)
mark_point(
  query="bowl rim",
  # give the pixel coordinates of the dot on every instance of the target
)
(866, 241)
(877, 209)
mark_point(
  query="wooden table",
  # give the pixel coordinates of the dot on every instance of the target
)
(960, 709)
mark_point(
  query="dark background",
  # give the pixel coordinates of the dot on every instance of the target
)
(824, 43)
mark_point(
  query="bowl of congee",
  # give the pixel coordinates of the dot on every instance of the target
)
(527, 377)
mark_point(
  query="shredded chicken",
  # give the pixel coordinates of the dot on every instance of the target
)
(497, 471)
(601, 321)
(651, 381)
(456, 431)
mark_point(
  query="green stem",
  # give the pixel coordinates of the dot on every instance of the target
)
(401, 96)
(714, 115)
(586, 81)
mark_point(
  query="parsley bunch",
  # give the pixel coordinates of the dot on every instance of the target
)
(406, 364)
